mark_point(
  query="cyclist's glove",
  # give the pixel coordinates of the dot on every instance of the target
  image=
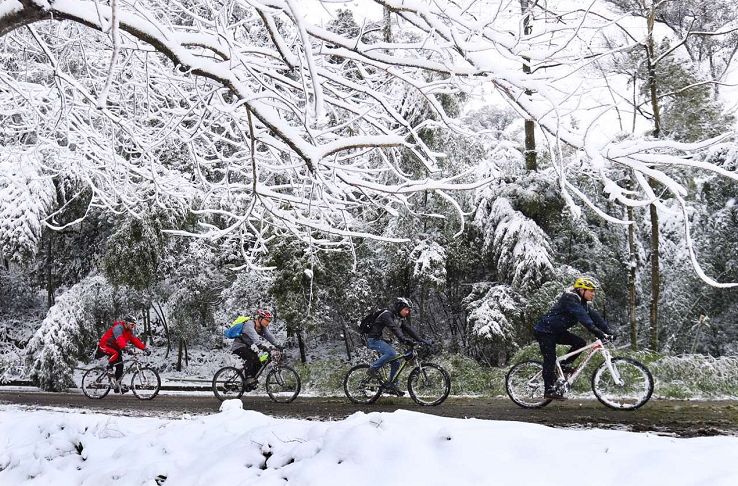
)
(146, 351)
(599, 334)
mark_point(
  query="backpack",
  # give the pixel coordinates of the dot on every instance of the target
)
(236, 328)
(368, 321)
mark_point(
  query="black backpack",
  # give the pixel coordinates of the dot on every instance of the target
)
(368, 321)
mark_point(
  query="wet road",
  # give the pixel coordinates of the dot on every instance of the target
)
(674, 417)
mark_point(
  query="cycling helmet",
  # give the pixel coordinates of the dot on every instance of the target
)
(130, 319)
(586, 283)
(400, 304)
(264, 314)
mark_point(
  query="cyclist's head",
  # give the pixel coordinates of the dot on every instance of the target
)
(264, 316)
(586, 283)
(585, 287)
(130, 321)
(401, 307)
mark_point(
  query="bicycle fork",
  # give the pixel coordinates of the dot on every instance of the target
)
(613, 370)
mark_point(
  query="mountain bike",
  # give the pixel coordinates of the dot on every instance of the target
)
(427, 383)
(282, 382)
(145, 381)
(618, 383)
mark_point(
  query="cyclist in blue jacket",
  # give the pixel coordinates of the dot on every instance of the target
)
(552, 329)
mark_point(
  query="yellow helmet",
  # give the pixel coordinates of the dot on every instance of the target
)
(586, 283)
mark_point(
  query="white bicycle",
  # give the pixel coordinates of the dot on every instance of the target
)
(618, 383)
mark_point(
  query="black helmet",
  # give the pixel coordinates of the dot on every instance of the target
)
(400, 304)
(130, 319)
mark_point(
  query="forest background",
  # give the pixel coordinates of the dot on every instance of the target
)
(134, 182)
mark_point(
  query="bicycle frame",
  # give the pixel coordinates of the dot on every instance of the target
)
(406, 357)
(591, 350)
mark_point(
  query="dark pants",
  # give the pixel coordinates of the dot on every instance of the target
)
(250, 360)
(547, 343)
(115, 358)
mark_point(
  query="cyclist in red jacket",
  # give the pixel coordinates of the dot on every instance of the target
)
(113, 342)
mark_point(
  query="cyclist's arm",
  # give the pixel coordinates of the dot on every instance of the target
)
(599, 321)
(411, 332)
(266, 334)
(581, 313)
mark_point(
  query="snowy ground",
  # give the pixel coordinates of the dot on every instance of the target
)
(405, 448)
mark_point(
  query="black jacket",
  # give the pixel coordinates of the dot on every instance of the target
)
(569, 310)
(390, 320)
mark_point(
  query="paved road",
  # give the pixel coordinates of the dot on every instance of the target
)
(680, 418)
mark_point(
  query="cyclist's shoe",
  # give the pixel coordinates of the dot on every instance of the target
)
(249, 383)
(372, 373)
(554, 395)
(392, 389)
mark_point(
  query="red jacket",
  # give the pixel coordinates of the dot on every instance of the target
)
(118, 338)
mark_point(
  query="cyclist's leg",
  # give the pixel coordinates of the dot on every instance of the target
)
(574, 342)
(386, 353)
(547, 343)
(250, 361)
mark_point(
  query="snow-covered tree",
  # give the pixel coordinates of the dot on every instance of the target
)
(68, 333)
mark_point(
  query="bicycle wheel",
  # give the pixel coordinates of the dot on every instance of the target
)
(228, 383)
(524, 385)
(635, 387)
(361, 388)
(429, 384)
(96, 383)
(282, 384)
(145, 383)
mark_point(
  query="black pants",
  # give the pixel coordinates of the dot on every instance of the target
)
(117, 362)
(547, 343)
(250, 360)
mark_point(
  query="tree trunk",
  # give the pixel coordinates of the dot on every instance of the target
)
(49, 272)
(301, 345)
(651, 66)
(346, 341)
(632, 272)
(655, 279)
(179, 355)
(387, 25)
(531, 162)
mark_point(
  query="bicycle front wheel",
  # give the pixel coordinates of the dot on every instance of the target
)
(524, 385)
(145, 383)
(96, 383)
(228, 383)
(283, 384)
(360, 387)
(628, 388)
(429, 384)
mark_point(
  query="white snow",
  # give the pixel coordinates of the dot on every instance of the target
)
(238, 446)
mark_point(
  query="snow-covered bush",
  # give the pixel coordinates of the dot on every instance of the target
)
(494, 314)
(26, 197)
(67, 333)
(430, 264)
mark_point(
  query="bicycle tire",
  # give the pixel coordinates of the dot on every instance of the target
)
(228, 383)
(96, 383)
(145, 383)
(635, 391)
(524, 384)
(361, 388)
(429, 384)
(282, 384)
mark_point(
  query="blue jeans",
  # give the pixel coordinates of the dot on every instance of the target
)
(386, 352)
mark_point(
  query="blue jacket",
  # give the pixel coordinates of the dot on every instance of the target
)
(569, 310)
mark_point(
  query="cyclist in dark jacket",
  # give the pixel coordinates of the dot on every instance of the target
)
(389, 319)
(552, 329)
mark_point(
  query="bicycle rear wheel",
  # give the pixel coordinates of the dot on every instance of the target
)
(633, 390)
(96, 383)
(360, 387)
(145, 383)
(429, 384)
(228, 383)
(524, 385)
(282, 384)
